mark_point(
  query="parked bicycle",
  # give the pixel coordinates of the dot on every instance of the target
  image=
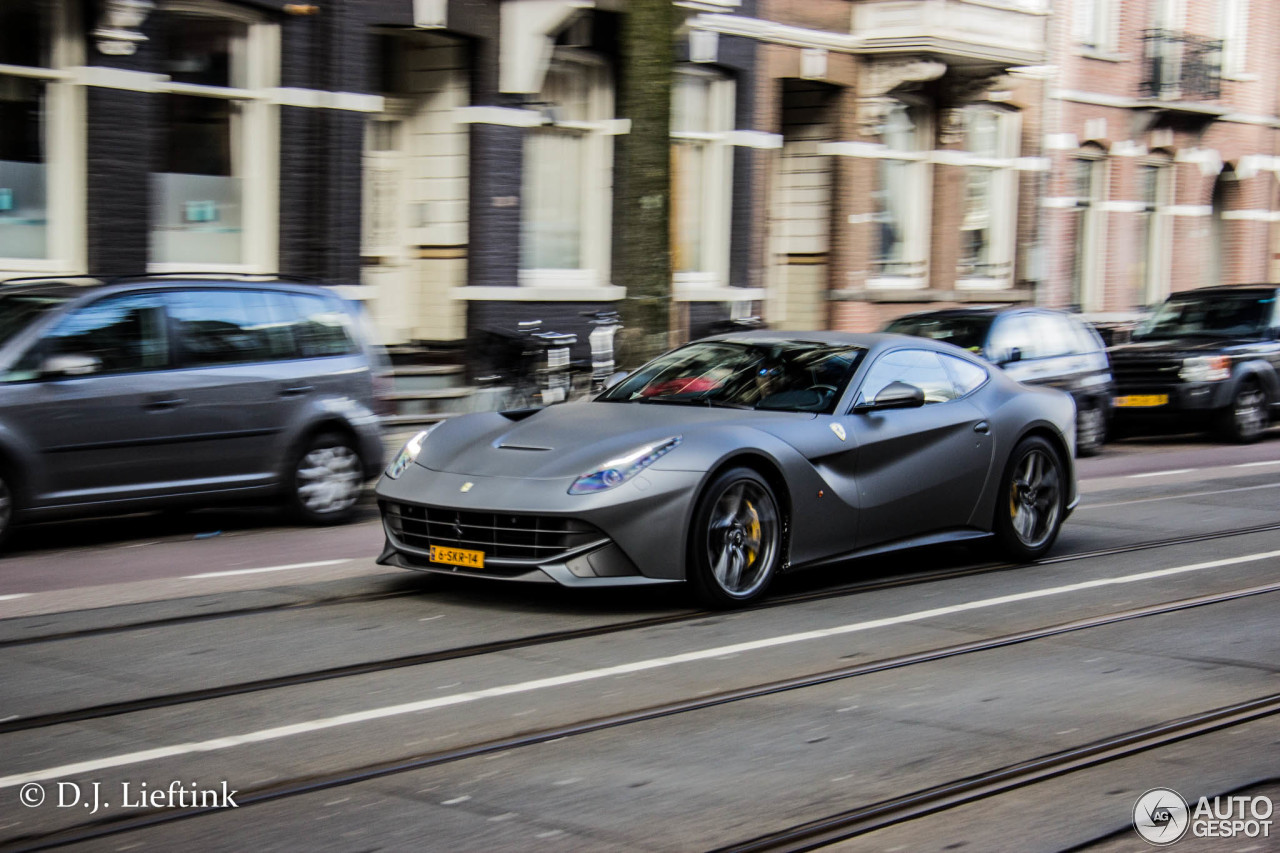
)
(530, 367)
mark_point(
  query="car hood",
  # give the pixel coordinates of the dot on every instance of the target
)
(1179, 346)
(571, 439)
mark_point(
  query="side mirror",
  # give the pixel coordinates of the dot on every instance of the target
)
(1011, 355)
(895, 395)
(74, 364)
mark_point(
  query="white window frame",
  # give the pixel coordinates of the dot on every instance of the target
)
(1159, 247)
(1004, 199)
(1233, 29)
(65, 159)
(592, 274)
(1091, 230)
(716, 186)
(259, 137)
(1094, 27)
(919, 207)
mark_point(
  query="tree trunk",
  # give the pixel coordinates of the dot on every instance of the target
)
(643, 178)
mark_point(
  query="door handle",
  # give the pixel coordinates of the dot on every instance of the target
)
(982, 427)
(160, 404)
(294, 390)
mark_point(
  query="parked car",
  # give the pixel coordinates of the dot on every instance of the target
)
(1209, 358)
(151, 392)
(734, 458)
(1038, 346)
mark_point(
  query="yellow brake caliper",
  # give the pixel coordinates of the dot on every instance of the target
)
(754, 530)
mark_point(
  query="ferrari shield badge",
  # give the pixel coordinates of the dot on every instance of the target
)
(466, 487)
(839, 431)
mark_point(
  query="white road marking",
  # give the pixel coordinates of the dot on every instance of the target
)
(1257, 464)
(1162, 473)
(15, 595)
(228, 574)
(84, 768)
(1084, 505)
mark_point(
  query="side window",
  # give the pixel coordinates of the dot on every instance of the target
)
(1086, 338)
(321, 327)
(126, 334)
(1012, 332)
(966, 377)
(920, 368)
(1055, 336)
(222, 327)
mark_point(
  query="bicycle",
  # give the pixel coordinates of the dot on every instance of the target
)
(531, 367)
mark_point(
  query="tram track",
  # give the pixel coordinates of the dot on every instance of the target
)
(177, 698)
(810, 834)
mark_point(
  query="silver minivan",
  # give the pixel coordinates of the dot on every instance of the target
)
(154, 392)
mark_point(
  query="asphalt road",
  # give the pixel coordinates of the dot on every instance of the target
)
(926, 701)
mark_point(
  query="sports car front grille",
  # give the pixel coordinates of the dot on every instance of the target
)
(1132, 372)
(500, 535)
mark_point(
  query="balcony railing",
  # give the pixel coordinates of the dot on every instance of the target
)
(1181, 67)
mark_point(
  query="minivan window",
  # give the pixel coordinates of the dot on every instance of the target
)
(965, 331)
(124, 333)
(321, 327)
(1220, 315)
(19, 310)
(223, 327)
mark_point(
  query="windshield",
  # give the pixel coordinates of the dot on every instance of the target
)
(19, 310)
(965, 331)
(784, 376)
(1222, 315)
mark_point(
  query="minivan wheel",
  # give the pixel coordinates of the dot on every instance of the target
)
(1091, 430)
(1246, 417)
(326, 479)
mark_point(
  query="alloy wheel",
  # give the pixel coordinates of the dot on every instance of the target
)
(328, 479)
(1035, 498)
(742, 538)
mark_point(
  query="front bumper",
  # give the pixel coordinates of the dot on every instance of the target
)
(631, 534)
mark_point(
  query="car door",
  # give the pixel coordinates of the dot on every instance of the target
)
(230, 345)
(923, 469)
(102, 430)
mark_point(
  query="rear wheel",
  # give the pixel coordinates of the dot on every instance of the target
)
(735, 543)
(1091, 430)
(1030, 504)
(326, 479)
(1246, 417)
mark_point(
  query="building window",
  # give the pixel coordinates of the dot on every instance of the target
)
(1233, 29)
(38, 152)
(701, 176)
(1086, 237)
(213, 194)
(1095, 24)
(901, 200)
(1155, 182)
(565, 201)
(990, 198)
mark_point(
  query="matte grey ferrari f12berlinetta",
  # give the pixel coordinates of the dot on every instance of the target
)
(734, 458)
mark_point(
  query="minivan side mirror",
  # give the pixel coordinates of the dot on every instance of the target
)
(72, 364)
(1011, 355)
(895, 395)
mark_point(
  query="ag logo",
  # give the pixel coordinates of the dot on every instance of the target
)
(1161, 816)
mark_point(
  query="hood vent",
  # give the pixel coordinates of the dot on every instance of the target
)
(505, 446)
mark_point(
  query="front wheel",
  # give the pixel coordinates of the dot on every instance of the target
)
(325, 480)
(1246, 417)
(735, 543)
(1030, 504)
(1091, 430)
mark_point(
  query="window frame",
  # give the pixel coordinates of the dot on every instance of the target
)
(1003, 198)
(919, 204)
(259, 143)
(716, 190)
(65, 146)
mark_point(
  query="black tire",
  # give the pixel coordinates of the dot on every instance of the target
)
(1031, 501)
(325, 480)
(8, 503)
(735, 541)
(1091, 430)
(1246, 418)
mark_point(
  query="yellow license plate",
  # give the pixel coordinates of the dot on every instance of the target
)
(1142, 401)
(457, 557)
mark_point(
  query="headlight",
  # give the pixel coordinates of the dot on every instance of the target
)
(409, 453)
(615, 472)
(1205, 368)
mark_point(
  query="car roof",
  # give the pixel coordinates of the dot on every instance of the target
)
(983, 311)
(871, 341)
(73, 286)
(1258, 287)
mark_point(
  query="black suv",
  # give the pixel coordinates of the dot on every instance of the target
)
(1038, 346)
(1210, 357)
